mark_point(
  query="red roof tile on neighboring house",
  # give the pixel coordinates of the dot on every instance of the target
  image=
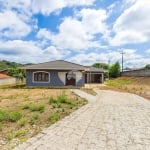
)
(2, 76)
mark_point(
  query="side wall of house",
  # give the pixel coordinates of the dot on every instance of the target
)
(57, 78)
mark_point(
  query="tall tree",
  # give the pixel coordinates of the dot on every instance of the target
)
(147, 66)
(114, 70)
(101, 65)
(17, 73)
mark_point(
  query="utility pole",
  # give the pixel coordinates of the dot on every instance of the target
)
(108, 67)
(122, 53)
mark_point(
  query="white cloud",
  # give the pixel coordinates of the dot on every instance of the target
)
(133, 24)
(28, 51)
(93, 20)
(12, 26)
(48, 6)
(131, 58)
(78, 32)
(44, 34)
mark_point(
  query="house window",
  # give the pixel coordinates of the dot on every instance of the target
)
(41, 76)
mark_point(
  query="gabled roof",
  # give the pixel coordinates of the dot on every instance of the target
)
(56, 65)
(3, 76)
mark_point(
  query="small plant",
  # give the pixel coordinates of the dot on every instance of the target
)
(39, 108)
(32, 107)
(3, 115)
(14, 116)
(9, 136)
(22, 122)
(26, 106)
(52, 100)
(54, 117)
(34, 119)
(20, 133)
(9, 116)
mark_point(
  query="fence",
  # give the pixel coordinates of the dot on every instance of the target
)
(7, 81)
(144, 72)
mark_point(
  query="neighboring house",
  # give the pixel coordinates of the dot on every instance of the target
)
(62, 73)
(5, 79)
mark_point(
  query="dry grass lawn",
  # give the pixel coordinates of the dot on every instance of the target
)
(137, 85)
(25, 112)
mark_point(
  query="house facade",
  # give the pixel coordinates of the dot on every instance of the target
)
(62, 73)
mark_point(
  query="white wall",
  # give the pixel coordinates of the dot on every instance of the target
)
(62, 76)
(7, 81)
(78, 76)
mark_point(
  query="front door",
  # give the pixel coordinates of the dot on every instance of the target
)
(70, 78)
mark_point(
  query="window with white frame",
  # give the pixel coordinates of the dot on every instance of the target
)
(41, 76)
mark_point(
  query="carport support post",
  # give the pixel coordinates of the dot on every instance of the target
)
(102, 78)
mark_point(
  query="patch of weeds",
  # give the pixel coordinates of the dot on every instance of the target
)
(14, 116)
(26, 106)
(32, 107)
(34, 119)
(52, 100)
(9, 136)
(9, 116)
(54, 117)
(20, 133)
(22, 122)
(39, 108)
(12, 135)
(3, 115)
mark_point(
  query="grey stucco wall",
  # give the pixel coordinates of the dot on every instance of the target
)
(54, 79)
(137, 73)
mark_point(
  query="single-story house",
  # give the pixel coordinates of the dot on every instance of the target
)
(62, 73)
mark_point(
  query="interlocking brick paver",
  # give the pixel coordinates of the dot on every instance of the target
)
(110, 121)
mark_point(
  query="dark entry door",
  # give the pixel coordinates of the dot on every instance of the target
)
(70, 79)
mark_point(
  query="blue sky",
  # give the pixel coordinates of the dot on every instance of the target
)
(81, 31)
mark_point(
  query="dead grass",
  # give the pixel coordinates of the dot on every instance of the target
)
(90, 91)
(137, 85)
(36, 109)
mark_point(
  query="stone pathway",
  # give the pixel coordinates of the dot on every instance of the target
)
(110, 121)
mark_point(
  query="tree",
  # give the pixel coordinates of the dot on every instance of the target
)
(17, 73)
(101, 65)
(147, 66)
(114, 70)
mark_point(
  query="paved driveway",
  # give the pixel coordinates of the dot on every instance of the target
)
(110, 121)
